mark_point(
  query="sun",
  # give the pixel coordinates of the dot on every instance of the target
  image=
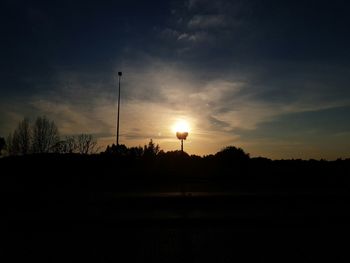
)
(181, 126)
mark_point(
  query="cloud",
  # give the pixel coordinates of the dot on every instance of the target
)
(168, 33)
(234, 72)
(225, 105)
(202, 29)
(196, 37)
(207, 22)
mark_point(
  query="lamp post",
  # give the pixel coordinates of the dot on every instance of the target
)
(182, 136)
(119, 77)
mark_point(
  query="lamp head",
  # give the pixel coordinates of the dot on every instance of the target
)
(120, 73)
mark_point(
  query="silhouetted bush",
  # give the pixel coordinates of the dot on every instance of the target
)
(135, 152)
(119, 150)
(232, 154)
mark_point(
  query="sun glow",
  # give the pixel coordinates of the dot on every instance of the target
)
(181, 126)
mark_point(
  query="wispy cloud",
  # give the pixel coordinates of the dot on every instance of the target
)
(207, 22)
(155, 93)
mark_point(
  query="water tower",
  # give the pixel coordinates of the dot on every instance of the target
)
(182, 136)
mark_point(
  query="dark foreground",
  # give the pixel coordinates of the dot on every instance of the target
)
(89, 217)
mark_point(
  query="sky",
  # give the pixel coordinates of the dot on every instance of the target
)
(271, 77)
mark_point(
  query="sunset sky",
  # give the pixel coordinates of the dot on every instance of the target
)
(271, 77)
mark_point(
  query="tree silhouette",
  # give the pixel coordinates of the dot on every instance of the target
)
(23, 134)
(45, 136)
(69, 145)
(120, 150)
(19, 142)
(2, 144)
(135, 152)
(8, 144)
(151, 150)
(86, 144)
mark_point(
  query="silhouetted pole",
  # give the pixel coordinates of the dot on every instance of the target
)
(182, 145)
(119, 76)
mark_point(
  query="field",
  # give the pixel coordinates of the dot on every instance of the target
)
(82, 218)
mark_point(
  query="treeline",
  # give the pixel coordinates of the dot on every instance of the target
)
(43, 136)
(38, 148)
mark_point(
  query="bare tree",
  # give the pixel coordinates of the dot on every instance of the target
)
(9, 146)
(20, 141)
(45, 136)
(68, 145)
(22, 136)
(86, 144)
(2, 144)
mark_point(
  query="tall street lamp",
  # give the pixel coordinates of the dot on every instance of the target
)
(119, 77)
